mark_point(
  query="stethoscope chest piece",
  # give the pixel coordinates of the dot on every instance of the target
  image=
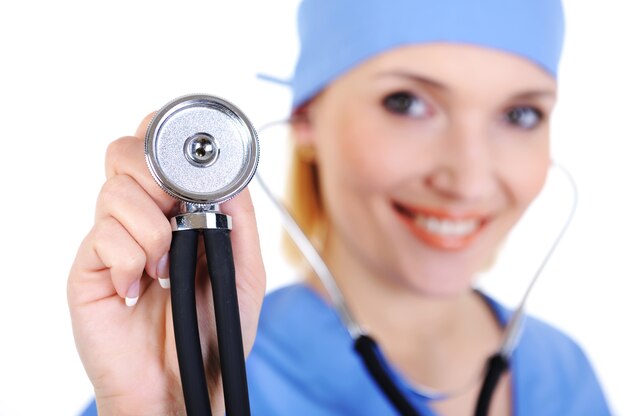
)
(201, 149)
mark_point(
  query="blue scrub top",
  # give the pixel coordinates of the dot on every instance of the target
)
(303, 363)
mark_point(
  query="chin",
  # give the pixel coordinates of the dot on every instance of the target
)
(439, 278)
(439, 288)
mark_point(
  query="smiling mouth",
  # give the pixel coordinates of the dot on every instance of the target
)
(441, 229)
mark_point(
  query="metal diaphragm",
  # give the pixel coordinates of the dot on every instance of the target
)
(201, 149)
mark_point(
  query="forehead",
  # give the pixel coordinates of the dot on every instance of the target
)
(458, 66)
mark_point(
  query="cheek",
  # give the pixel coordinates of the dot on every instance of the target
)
(526, 179)
(359, 154)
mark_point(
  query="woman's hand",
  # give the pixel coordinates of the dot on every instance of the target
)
(129, 351)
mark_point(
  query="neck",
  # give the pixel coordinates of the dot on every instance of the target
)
(441, 342)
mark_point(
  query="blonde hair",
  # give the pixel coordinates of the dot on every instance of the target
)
(303, 198)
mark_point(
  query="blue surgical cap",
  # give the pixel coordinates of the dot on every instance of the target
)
(337, 35)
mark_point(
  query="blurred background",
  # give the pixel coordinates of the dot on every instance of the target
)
(76, 75)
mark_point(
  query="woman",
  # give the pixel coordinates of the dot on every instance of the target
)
(422, 135)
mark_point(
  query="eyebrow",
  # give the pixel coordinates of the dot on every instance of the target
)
(525, 95)
(414, 77)
(528, 95)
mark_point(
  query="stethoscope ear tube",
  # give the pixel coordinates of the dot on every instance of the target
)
(219, 255)
(368, 350)
(184, 316)
(496, 367)
(221, 270)
(370, 354)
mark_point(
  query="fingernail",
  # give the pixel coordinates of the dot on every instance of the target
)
(163, 272)
(132, 295)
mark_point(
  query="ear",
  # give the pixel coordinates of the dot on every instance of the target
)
(302, 126)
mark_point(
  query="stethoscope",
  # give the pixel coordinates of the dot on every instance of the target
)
(203, 150)
(191, 139)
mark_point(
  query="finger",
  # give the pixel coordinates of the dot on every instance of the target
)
(244, 235)
(143, 127)
(249, 270)
(125, 156)
(115, 151)
(246, 246)
(125, 200)
(109, 262)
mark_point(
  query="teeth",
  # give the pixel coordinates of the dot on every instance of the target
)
(455, 228)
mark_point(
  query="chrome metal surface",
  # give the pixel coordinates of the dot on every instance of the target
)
(201, 220)
(201, 149)
(189, 207)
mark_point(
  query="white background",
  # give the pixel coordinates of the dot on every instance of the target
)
(75, 75)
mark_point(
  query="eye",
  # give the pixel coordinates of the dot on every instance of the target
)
(405, 103)
(524, 117)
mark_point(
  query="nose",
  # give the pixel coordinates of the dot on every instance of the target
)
(464, 168)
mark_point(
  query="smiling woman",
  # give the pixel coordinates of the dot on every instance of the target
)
(424, 158)
(420, 159)
(97, 68)
(427, 156)
(80, 74)
(422, 140)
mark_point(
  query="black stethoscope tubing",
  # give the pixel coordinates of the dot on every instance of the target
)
(371, 356)
(183, 255)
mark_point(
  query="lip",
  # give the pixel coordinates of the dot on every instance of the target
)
(441, 228)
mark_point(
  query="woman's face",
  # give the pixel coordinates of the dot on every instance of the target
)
(427, 157)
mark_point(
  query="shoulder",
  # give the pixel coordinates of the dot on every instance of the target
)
(550, 349)
(298, 339)
(555, 355)
(551, 372)
(296, 298)
(294, 315)
(303, 361)
(296, 324)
